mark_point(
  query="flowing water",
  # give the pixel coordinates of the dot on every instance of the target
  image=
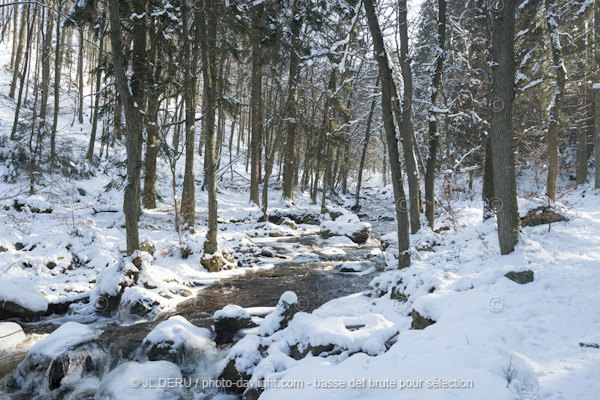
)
(305, 265)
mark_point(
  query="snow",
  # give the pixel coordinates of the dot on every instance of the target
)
(177, 331)
(272, 321)
(231, 311)
(151, 380)
(22, 291)
(64, 338)
(11, 335)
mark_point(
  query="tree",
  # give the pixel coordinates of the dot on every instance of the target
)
(392, 142)
(436, 75)
(597, 92)
(501, 123)
(256, 101)
(289, 169)
(131, 198)
(555, 106)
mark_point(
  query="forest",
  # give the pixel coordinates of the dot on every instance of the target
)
(243, 199)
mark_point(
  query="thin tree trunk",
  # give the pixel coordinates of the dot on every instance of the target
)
(256, 104)
(80, 75)
(433, 134)
(57, 73)
(22, 43)
(289, 167)
(390, 130)
(188, 196)
(555, 106)
(406, 128)
(90, 153)
(597, 93)
(363, 156)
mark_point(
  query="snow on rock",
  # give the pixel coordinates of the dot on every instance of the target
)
(177, 340)
(142, 381)
(354, 268)
(283, 314)
(307, 332)
(64, 338)
(11, 334)
(346, 225)
(229, 320)
(20, 298)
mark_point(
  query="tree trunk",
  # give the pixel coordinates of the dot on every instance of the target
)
(208, 46)
(90, 153)
(487, 192)
(406, 128)
(256, 104)
(57, 72)
(289, 167)
(363, 156)
(80, 74)
(555, 106)
(433, 134)
(597, 93)
(22, 43)
(188, 196)
(149, 192)
(501, 124)
(45, 84)
(390, 130)
(131, 197)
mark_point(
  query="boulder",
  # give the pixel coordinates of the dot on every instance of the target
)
(20, 298)
(229, 320)
(542, 215)
(11, 334)
(420, 322)
(178, 341)
(347, 226)
(287, 222)
(282, 315)
(68, 351)
(521, 278)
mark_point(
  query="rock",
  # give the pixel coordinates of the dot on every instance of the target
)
(42, 209)
(282, 315)
(386, 218)
(275, 234)
(397, 294)
(542, 215)
(358, 232)
(212, 262)
(252, 393)
(178, 341)
(287, 222)
(266, 252)
(51, 265)
(229, 320)
(419, 322)
(316, 351)
(11, 334)
(68, 351)
(148, 247)
(19, 246)
(521, 278)
(233, 378)
(20, 298)
(3, 249)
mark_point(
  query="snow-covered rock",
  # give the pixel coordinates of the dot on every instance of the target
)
(11, 334)
(283, 314)
(178, 341)
(347, 225)
(20, 298)
(230, 320)
(142, 381)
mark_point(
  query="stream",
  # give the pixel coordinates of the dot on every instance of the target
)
(306, 265)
